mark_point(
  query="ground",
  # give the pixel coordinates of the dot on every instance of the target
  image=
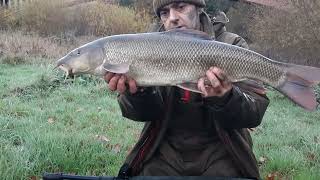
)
(48, 124)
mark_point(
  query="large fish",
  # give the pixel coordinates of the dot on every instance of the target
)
(181, 57)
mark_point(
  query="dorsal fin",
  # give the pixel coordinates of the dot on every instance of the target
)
(188, 33)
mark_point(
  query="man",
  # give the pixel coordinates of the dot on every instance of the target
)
(187, 134)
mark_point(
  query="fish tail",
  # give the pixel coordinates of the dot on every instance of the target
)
(299, 85)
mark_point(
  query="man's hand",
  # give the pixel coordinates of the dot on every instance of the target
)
(216, 83)
(117, 82)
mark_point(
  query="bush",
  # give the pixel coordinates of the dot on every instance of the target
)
(49, 29)
(44, 16)
(8, 19)
(107, 19)
(57, 18)
(13, 60)
(290, 35)
(17, 47)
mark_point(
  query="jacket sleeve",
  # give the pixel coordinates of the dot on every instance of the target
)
(240, 108)
(142, 106)
(233, 39)
(239, 41)
(237, 109)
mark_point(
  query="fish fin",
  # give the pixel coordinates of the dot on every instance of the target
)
(308, 73)
(189, 33)
(189, 86)
(251, 85)
(300, 91)
(117, 68)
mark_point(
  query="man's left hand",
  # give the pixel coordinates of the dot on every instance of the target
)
(215, 83)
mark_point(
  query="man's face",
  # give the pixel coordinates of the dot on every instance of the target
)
(180, 15)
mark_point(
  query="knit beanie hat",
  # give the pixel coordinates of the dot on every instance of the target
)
(157, 4)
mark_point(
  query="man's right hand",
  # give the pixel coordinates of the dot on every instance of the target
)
(117, 82)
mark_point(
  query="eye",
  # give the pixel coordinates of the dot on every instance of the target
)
(163, 14)
(78, 53)
(181, 6)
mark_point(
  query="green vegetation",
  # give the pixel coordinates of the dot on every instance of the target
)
(287, 143)
(49, 124)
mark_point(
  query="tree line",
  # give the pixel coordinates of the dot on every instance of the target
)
(212, 5)
(13, 3)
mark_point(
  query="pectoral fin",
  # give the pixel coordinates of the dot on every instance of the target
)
(116, 68)
(190, 86)
(251, 85)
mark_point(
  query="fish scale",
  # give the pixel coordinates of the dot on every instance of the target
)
(181, 57)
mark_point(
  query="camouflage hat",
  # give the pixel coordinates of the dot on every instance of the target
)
(157, 4)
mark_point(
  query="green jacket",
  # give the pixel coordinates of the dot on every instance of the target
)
(232, 115)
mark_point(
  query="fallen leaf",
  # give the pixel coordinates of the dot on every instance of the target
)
(130, 149)
(50, 120)
(272, 176)
(116, 148)
(33, 178)
(311, 156)
(103, 139)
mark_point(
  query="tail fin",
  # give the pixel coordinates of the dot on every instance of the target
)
(299, 85)
(310, 74)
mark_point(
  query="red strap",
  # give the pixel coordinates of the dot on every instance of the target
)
(186, 96)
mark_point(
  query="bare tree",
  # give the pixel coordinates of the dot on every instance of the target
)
(289, 35)
(4, 2)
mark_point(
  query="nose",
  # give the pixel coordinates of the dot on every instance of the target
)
(173, 16)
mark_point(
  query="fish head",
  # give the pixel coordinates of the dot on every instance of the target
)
(82, 60)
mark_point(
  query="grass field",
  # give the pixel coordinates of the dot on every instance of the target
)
(51, 125)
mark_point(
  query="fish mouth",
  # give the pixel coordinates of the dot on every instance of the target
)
(65, 69)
